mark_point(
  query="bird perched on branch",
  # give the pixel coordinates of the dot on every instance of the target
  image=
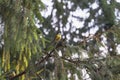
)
(54, 42)
(57, 37)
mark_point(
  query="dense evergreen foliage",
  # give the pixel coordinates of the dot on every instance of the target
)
(88, 50)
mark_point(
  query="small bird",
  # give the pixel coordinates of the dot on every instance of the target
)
(58, 37)
(54, 42)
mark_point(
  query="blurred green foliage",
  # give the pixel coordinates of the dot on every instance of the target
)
(27, 34)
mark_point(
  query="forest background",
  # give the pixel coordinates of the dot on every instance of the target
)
(88, 49)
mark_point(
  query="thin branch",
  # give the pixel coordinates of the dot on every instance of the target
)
(12, 78)
(39, 62)
(45, 58)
